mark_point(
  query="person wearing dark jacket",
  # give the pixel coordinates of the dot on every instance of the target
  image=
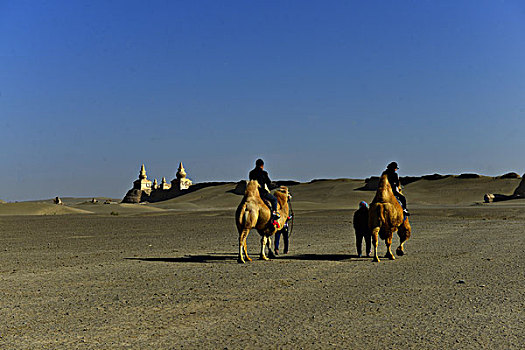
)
(285, 232)
(361, 229)
(264, 185)
(393, 179)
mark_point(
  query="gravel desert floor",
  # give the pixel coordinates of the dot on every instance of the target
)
(171, 280)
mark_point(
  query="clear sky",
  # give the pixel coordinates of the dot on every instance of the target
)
(90, 90)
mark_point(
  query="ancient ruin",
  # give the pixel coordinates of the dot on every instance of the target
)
(145, 190)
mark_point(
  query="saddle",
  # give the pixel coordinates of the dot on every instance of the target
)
(268, 204)
(401, 204)
(399, 201)
(272, 222)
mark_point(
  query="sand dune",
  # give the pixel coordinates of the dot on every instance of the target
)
(457, 191)
(35, 208)
(213, 197)
(318, 194)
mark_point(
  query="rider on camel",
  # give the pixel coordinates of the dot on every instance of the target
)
(393, 179)
(263, 179)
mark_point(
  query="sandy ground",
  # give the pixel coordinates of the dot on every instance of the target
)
(169, 280)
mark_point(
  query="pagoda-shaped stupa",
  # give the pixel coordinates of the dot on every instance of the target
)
(164, 185)
(142, 183)
(181, 182)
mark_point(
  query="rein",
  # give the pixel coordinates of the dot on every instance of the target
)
(290, 225)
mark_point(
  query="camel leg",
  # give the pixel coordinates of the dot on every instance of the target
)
(375, 234)
(246, 247)
(404, 235)
(400, 251)
(246, 251)
(388, 242)
(242, 246)
(271, 255)
(240, 258)
(262, 256)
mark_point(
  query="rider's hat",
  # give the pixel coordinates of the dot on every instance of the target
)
(392, 165)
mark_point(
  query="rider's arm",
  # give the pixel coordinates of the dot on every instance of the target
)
(267, 180)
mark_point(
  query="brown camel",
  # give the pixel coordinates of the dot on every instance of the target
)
(385, 217)
(254, 213)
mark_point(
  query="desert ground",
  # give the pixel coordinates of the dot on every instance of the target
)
(165, 275)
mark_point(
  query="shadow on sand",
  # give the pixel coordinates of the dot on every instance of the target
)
(210, 258)
(321, 257)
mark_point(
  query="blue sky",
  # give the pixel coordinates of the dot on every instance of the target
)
(319, 89)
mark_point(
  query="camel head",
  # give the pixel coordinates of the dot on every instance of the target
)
(282, 190)
(282, 195)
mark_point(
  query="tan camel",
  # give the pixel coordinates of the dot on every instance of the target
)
(254, 213)
(385, 217)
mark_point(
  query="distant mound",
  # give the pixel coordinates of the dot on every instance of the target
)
(372, 182)
(435, 177)
(468, 176)
(519, 192)
(286, 183)
(240, 187)
(509, 176)
(318, 180)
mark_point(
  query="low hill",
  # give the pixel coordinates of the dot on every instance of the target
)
(329, 194)
(456, 190)
(220, 196)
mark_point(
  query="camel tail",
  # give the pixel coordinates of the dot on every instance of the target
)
(245, 217)
(241, 215)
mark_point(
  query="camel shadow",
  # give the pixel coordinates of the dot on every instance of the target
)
(212, 258)
(322, 257)
(207, 258)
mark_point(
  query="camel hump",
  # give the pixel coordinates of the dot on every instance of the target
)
(252, 188)
(384, 193)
